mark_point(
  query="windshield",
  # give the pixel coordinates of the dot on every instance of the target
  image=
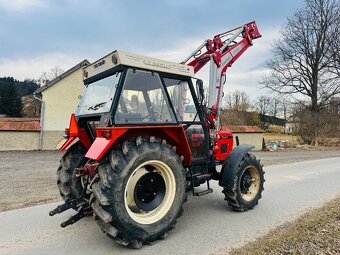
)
(97, 97)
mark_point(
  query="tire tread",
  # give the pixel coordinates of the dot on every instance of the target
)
(106, 188)
(231, 194)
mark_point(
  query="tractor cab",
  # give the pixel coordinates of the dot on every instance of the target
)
(139, 95)
(133, 91)
(136, 84)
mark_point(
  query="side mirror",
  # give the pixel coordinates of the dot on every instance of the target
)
(200, 90)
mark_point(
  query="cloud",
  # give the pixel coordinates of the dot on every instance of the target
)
(22, 5)
(32, 68)
(244, 74)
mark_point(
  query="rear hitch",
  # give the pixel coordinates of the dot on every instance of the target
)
(84, 209)
(67, 205)
(82, 212)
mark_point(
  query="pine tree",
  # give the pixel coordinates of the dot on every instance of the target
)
(10, 101)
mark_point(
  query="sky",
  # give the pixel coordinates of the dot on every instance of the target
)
(37, 35)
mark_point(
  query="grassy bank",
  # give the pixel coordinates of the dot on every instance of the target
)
(317, 232)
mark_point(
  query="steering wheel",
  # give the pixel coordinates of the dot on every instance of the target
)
(156, 116)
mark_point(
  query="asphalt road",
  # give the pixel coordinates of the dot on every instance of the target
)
(207, 226)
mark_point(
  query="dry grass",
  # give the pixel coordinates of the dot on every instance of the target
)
(272, 137)
(329, 141)
(317, 232)
(324, 143)
(276, 129)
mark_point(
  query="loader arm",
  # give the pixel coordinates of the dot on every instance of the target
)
(221, 51)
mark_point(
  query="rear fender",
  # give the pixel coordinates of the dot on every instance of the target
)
(109, 137)
(231, 164)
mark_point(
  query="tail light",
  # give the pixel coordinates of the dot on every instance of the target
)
(106, 133)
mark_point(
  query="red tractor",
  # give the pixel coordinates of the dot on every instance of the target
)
(143, 135)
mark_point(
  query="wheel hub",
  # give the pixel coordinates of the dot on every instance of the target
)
(149, 191)
(246, 183)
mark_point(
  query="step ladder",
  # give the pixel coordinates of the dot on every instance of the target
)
(200, 177)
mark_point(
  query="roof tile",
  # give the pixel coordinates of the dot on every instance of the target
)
(242, 129)
(19, 124)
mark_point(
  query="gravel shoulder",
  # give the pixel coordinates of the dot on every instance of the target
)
(29, 177)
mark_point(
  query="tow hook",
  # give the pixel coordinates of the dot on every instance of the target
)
(88, 169)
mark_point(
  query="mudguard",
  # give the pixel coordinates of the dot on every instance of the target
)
(230, 166)
(174, 135)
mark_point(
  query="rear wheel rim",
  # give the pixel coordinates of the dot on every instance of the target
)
(250, 183)
(150, 192)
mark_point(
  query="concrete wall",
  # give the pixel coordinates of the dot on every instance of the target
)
(61, 99)
(51, 139)
(249, 138)
(18, 140)
(26, 140)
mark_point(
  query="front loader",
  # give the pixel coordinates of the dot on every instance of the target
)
(145, 133)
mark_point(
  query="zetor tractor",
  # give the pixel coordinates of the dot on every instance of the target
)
(144, 134)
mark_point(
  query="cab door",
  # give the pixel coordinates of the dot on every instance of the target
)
(185, 106)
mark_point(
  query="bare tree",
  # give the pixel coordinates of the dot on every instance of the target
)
(306, 57)
(263, 104)
(334, 52)
(45, 77)
(286, 108)
(276, 106)
(238, 101)
(56, 71)
(237, 110)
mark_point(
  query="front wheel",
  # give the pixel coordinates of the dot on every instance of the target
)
(140, 191)
(248, 184)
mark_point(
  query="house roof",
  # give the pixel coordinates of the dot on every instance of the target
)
(242, 129)
(82, 64)
(19, 124)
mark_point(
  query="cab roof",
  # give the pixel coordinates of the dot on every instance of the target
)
(118, 57)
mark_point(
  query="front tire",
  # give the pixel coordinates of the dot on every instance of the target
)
(140, 191)
(248, 185)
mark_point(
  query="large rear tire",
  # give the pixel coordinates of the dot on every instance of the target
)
(140, 191)
(248, 185)
(70, 186)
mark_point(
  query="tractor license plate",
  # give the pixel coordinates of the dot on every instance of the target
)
(61, 143)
